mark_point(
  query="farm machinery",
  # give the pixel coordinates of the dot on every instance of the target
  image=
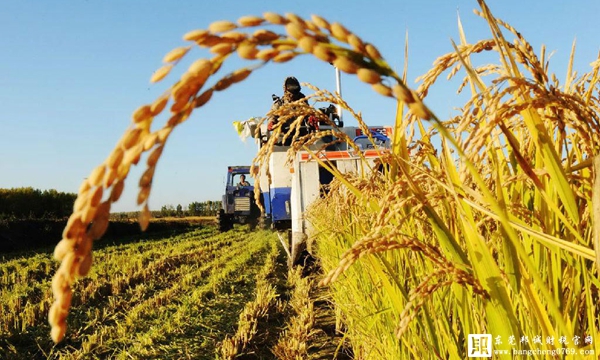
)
(288, 188)
(237, 204)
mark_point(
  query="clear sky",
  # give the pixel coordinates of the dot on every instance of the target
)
(72, 73)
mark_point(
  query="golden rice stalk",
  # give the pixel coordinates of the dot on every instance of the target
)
(113, 160)
(80, 202)
(123, 170)
(154, 156)
(223, 83)
(110, 177)
(249, 21)
(131, 138)
(159, 105)
(382, 89)
(176, 54)
(195, 35)
(161, 73)
(372, 52)
(95, 178)
(200, 69)
(339, 32)
(295, 30)
(84, 187)
(419, 110)
(98, 227)
(240, 75)
(284, 57)
(222, 49)
(234, 36)
(295, 19)
(164, 133)
(322, 52)
(312, 27)
(74, 228)
(285, 46)
(179, 116)
(203, 98)
(143, 195)
(58, 331)
(86, 263)
(307, 43)
(95, 197)
(209, 40)
(320, 22)
(144, 219)
(117, 190)
(63, 248)
(346, 65)
(404, 94)
(221, 26)
(356, 43)
(142, 114)
(267, 54)
(179, 108)
(87, 213)
(368, 75)
(275, 18)
(247, 50)
(264, 36)
(146, 178)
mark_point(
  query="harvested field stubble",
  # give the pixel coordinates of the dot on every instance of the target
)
(152, 298)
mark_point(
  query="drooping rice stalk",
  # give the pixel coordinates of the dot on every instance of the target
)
(328, 42)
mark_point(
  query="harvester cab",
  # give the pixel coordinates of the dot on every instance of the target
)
(237, 204)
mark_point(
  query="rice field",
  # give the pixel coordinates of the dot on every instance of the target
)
(483, 223)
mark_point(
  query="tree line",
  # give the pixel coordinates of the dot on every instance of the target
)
(30, 203)
(204, 208)
(197, 208)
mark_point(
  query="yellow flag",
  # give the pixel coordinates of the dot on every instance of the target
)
(238, 126)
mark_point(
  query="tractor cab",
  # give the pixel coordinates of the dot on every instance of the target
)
(237, 204)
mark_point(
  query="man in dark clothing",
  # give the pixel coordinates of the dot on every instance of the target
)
(243, 181)
(291, 93)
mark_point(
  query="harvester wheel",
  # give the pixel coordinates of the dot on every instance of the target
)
(264, 223)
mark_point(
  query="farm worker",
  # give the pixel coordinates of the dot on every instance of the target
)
(243, 181)
(291, 93)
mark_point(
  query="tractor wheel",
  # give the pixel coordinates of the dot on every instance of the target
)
(223, 221)
(252, 224)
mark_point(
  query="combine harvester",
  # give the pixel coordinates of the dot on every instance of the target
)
(291, 187)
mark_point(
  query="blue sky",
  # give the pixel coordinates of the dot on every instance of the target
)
(72, 73)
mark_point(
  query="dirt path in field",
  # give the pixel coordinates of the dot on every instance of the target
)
(300, 324)
(327, 342)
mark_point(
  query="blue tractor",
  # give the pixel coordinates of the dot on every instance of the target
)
(238, 205)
